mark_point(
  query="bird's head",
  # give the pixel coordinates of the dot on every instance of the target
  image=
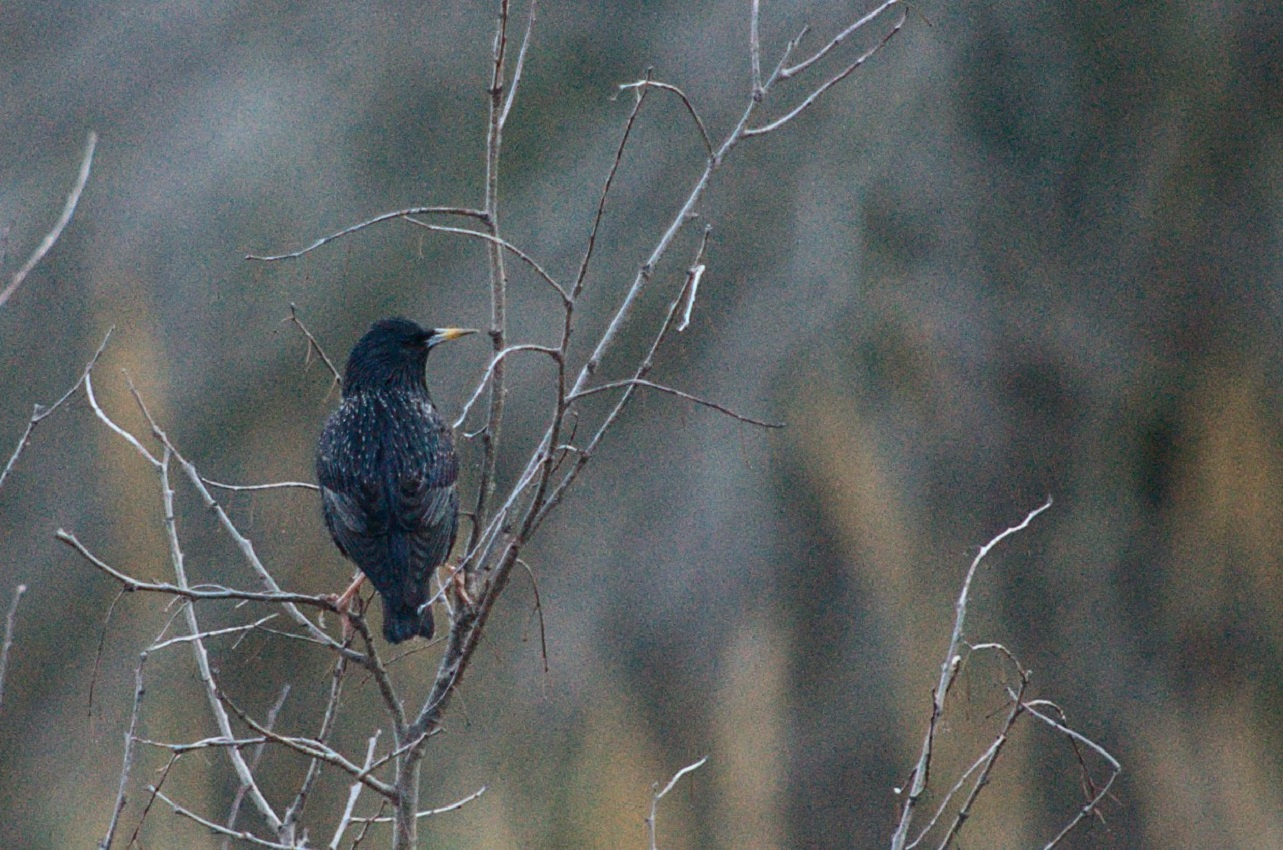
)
(393, 354)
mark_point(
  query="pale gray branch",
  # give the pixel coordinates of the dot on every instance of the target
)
(10, 622)
(659, 795)
(68, 210)
(39, 412)
(369, 222)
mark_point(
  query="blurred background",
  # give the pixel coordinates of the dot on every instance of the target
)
(1028, 250)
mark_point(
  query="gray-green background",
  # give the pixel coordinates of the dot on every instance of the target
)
(1030, 249)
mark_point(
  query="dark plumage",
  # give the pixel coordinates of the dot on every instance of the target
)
(386, 465)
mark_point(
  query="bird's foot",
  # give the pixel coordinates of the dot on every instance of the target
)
(347, 602)
(461, 587)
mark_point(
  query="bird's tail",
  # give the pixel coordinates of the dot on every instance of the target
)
(400, 623)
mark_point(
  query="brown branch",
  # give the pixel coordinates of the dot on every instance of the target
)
(591, 246)
(690, 107)
(312, 344)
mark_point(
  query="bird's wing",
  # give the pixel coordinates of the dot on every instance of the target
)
(432, 513)
(353, 518)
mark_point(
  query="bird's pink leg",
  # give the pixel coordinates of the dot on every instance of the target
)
(346, 602)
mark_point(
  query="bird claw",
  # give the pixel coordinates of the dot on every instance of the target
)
(348, 602)
(461, 588)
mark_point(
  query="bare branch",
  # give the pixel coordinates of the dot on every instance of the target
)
(1094, 802)
(309, 747)
(582, 275)
(694, 275)
(638, 382)
(10, 621)
(690, 107)
(194, 593)
(39, 412)
(242, 835)
(354, 793)
(248, 488)
(110, 423)
(515, 83)
(427, 813)
(815, 95)
(312, 344)
(68, 210)
(127, 763)
(787, 72)
(948, 672)
(659, 795)
(554, 353)
(500, 243)
(369, 222)
(755, 48)
(212, 633)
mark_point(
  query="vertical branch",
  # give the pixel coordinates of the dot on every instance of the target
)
(127, 762)
(659, 795)
(201, 654)
(498, 273)
(948, 673)
(9, 622)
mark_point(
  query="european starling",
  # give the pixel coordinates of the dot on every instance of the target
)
(387, 467)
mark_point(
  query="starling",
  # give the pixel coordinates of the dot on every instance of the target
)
(386, 465)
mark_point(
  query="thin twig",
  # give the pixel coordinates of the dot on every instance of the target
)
(554, 353)
(132, 584)
(39, 412)
(514, 84)
(312, 344)
(694, 275)
(248, 488)
(239, 797)
(582, 275)
(1115, 769)
(68, 210)
(836, 41)
(948, 672)
(10, 622)
(427, 813)
(659, 795)
(354, 793)
(309, 747)
(819, 91)
(127, 762)
(498, 242)
(218, 828)
(212, 633)
(369, 222)
(638, 382)
(686, 101)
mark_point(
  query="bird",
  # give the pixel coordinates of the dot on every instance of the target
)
(387, 467)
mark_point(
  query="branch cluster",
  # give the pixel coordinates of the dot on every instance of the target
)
(505, 520)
